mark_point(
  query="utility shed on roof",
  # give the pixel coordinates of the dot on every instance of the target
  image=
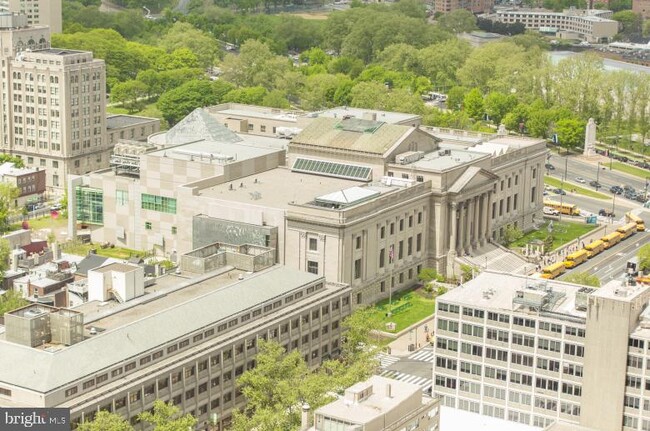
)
(349, 196)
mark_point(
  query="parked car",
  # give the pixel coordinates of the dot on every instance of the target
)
(628, 189)
(55, 207)
(630, 194)
(559, 192)
(580, 180)
(641, 197)
(550, 211)
(595, 184)
(550, 167)
(617, 190)
(603, 212)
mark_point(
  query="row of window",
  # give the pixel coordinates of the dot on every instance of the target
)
(222, 327)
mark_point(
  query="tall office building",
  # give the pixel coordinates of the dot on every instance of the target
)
(53, 112)
(38, 12)
(535, 352)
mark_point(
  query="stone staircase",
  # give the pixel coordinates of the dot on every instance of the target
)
(498, 259)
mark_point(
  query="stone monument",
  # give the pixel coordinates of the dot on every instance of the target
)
(590, 138)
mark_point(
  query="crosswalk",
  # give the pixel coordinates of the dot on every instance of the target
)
(424, 355)
(386, 360)
(423, 382)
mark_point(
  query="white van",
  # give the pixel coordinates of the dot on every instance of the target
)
(550, 211)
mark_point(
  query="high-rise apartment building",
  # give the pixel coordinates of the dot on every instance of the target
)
(38, 12)
(535, 352)
(53, 112)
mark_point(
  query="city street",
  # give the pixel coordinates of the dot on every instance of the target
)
(591, 205)
(580, 168)
(610, 264)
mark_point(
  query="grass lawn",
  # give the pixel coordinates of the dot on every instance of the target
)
(46, 223)
(422, 306)
(117, 252)
(554, 182)
(562, 232)
(632, 170)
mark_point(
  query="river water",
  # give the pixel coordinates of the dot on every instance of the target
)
(557, 56)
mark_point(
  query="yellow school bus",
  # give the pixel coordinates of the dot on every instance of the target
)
(553, 271)
(564, 208)
(594, 248)
(611, 239)
(576, 258)
(640, 225)
(627, 230)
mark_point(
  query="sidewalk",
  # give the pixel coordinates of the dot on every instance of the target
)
(417, 336)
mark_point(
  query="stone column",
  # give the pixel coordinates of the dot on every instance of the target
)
(488, 218)
(451, 255)
(454, 227)
(461, 227)
(468, 225)
(475, 236)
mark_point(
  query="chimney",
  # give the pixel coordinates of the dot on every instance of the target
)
(14, 262)
(304, 418)
(389, 391)
(56, 251)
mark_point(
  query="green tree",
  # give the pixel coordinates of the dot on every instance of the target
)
(511, 234)
(179, 102)
(468, 272)
(106, 421)
(427, 275)
(167, 417)
(458, 21)
(570, 133)
(473, 104)
(498, 104)
(644, 258)
(256, 65)
(439, 62)
(8, 196)
(185, 35)
(130, 94)
(583, 278)
(12, 299)
(631, 22)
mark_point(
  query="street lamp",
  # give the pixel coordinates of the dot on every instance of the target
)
(613, 208)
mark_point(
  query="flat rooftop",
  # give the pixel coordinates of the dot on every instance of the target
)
(445, 158)
(277, 188)
(150, 324)
(243, 111)
(375, 405)
(496, 290)
(59, 51)
(615, 289)
(384, 116)
(119, 121)
(216, 152)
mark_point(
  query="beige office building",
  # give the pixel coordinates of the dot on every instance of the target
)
(38, 12)
(55, 109)
(183, 340)
(591, 25)
(535, 352)
(379, 404)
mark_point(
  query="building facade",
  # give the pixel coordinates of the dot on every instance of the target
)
(642, 7)
(376, 201)
(192, 363)
(591, 25)
(536, 352)
(38, 12)
(29, 182)
(474, 6)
